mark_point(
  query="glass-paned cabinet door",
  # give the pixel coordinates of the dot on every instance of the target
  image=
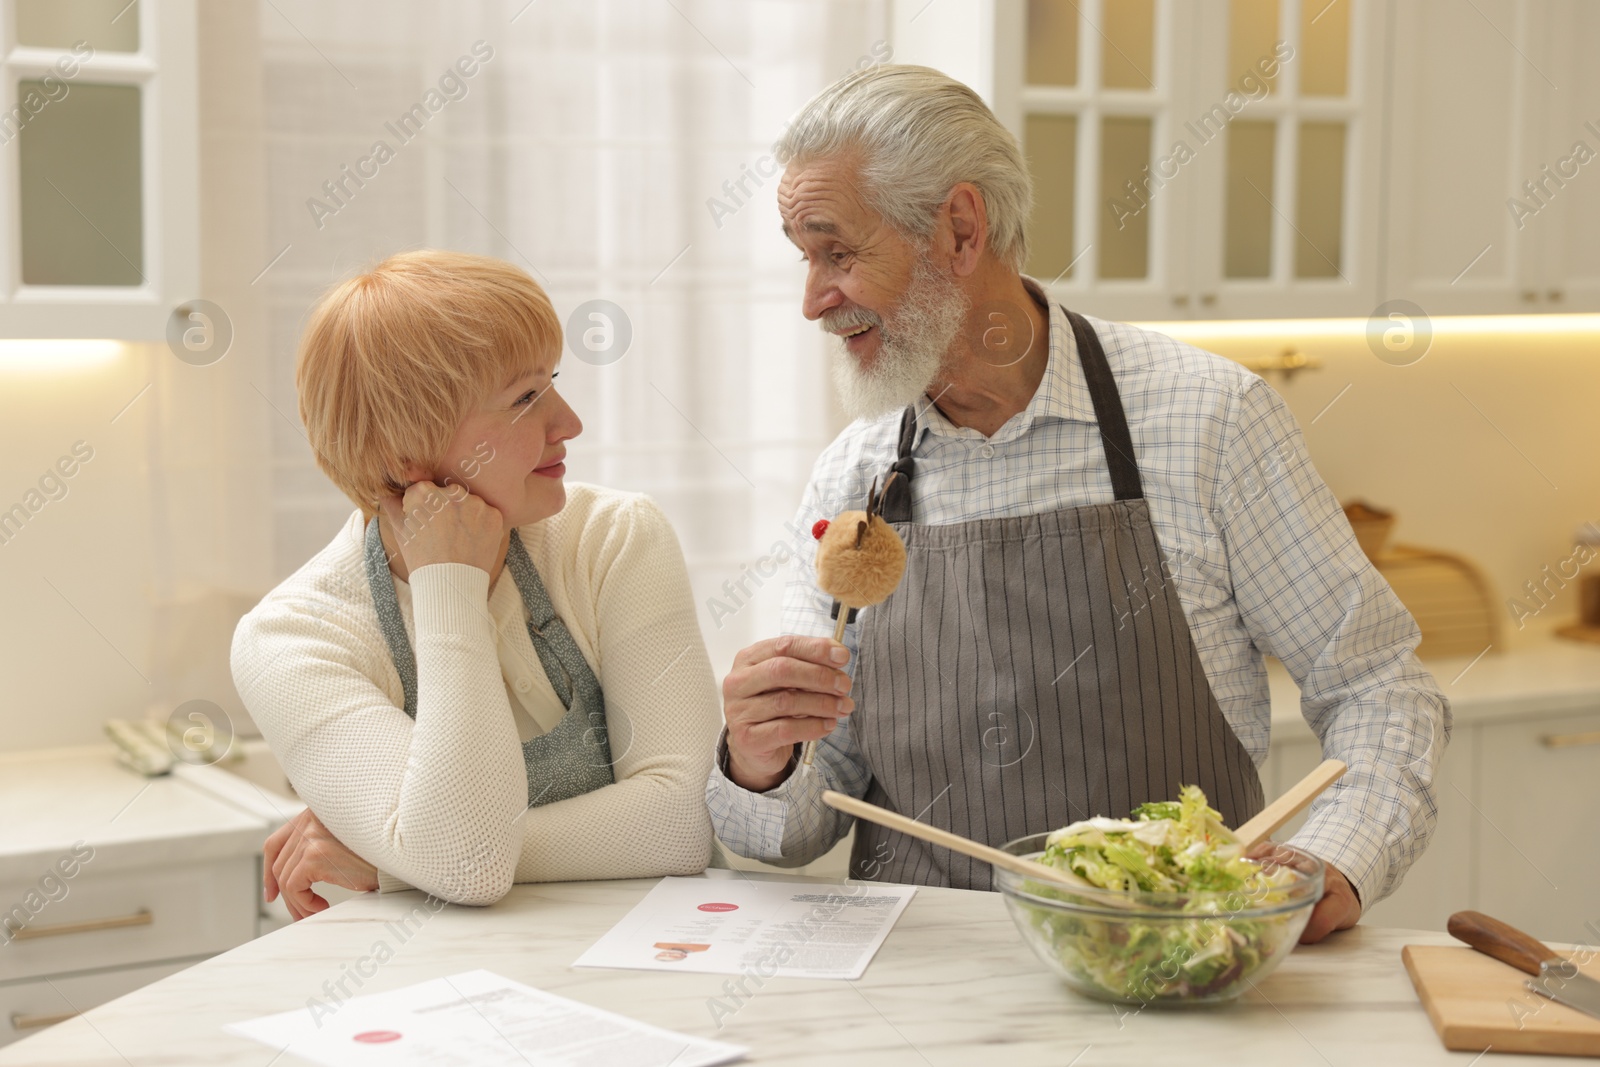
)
(79, 188)
(98, 145)
(1286, 129)
(1090, 95)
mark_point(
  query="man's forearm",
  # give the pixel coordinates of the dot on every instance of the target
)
(787, 825)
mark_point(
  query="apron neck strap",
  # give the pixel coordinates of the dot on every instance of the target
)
(390, 621)
(1115, 438)
(896, 503)
(1114, 435)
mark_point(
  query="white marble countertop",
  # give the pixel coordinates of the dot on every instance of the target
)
(953, 984)
(1544, 675)
(56, 797)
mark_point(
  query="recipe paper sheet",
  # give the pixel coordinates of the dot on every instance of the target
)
(749, 926)
(476, 1019)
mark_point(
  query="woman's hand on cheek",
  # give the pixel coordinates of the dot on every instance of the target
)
(447, 524)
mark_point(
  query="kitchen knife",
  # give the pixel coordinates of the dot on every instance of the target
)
(1553, 976)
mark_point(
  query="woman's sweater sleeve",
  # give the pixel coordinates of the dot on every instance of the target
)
(662, 712)
(437, 801)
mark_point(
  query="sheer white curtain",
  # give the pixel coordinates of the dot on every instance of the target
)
(618, 150)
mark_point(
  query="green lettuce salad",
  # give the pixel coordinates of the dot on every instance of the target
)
(1200, 939)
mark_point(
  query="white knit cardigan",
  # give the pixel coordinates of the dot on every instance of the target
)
(441, 803)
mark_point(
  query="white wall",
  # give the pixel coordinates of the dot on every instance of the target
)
(75, 632)
(120, 598)
(1483, 448)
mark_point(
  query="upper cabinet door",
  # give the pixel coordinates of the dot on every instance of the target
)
(1555, 203)
(1091, 88)
(1202, 159)
(98, 167)
(1286, 125)
(1467, 76)
(1305, 158)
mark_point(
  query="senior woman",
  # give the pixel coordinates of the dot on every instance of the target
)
(488, 676)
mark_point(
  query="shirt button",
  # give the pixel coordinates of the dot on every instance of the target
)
(523, 685)
(987, 451)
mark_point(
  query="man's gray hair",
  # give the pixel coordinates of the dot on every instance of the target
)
(919, 132)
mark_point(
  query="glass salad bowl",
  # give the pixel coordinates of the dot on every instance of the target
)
(1168, 948)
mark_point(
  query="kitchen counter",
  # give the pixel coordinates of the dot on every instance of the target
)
(953, 984)
(55, 797)
(1545, 675)
(119, 879)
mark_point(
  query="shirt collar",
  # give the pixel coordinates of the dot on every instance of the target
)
(1063, 392)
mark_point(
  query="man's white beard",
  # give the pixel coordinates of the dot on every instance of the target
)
(912, 345)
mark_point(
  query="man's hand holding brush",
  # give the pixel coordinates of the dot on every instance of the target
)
(781, 692)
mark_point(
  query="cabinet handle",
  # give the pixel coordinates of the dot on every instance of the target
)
(1529, 296)
(1208, 299)
(1554, 295)
(1590, 737)
(1182, 300)
(141, 917)
(33, 1022)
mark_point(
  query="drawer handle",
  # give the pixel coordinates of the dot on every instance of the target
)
(141, 917)
(1592, 737)
(33, 1022)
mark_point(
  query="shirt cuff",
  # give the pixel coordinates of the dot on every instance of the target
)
(1357, 853)
(751, 824)
(388, 883)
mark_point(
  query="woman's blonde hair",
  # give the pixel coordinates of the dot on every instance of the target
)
(394, 359)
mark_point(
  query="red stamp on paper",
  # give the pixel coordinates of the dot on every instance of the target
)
(719, 907)
(376, 1037)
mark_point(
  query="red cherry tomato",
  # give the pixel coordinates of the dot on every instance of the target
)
(819, 528)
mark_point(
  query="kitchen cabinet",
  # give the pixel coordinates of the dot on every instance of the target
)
(1462, 141)
(1536, 863)
(1521, 771)
(1216, 159)
(1566, 267)
(1491, 207)
(1286, 201)
(28, 1007)
(109, 880)
(133, 916)
(1094, 92)
(1442, 152)
(98, 167)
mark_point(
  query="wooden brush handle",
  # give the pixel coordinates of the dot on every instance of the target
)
(808, 750)
(956, 843)
(1290, 804)
(1505, 943)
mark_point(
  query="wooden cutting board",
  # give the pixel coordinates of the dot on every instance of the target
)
(1476, 1003)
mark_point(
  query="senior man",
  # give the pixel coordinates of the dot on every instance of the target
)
(1106, 531)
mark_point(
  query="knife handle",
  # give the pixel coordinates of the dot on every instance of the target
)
(1505, 943)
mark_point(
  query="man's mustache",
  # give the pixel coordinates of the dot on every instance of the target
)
(837, 320)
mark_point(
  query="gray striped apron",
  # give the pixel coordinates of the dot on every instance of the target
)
(1032, 671)
(570, 760)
